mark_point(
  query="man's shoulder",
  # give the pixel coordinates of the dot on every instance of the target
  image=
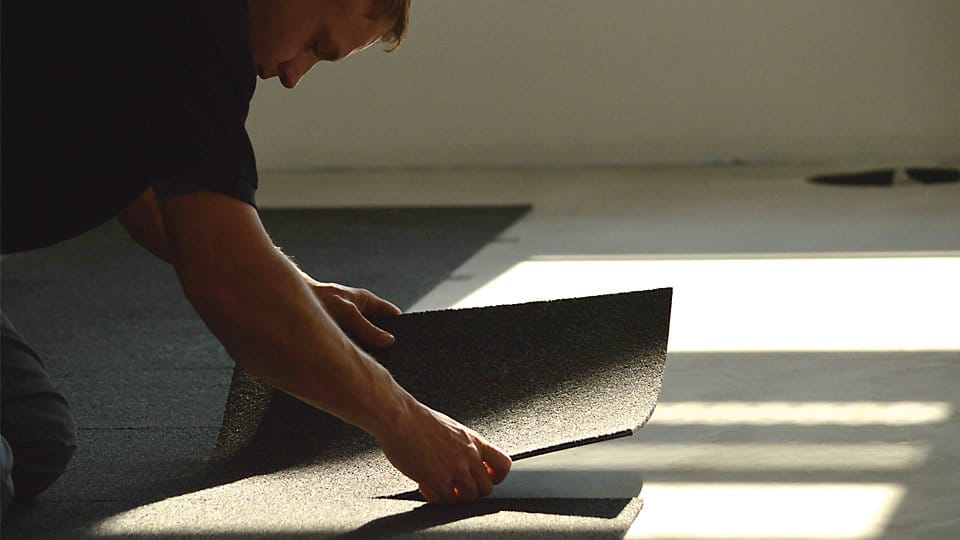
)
(128, 46)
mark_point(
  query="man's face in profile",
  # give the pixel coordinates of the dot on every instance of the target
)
(290, 36)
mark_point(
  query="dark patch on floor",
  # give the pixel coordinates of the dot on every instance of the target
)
(887, 177)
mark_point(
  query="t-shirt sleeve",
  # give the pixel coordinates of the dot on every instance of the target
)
(101, 102)
(196, 89)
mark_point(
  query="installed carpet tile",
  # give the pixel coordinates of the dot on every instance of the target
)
(238, 512)
(532, 378)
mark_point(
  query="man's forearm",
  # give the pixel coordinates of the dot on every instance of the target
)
(257, 303)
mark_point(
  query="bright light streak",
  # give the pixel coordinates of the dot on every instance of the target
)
(766, 304)
(852, 413)
(796, 511)
(636, 455)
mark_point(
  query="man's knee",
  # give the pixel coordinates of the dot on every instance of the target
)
(6, 478)
(36, 420)
(42, 455)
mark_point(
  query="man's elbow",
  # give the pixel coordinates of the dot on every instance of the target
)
(206, 289)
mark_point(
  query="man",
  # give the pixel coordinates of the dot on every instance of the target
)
(136, 110)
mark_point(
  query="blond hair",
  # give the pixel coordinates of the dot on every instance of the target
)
(397, 11)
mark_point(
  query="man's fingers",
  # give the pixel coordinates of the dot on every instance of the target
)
(373, 306)
(349, 317)
(446, 494)
(465, 490)
(429, 494)
(481, 476)
(497, 463)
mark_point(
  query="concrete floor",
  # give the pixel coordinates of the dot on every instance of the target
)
(812, 382)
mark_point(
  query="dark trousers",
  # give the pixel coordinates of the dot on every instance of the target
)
(37, 427)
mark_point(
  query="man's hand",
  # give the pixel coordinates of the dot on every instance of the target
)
(353, 308)
(451, 462)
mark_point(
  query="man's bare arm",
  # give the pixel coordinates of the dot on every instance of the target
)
(350, 307)
(142, 221)
(270, 321)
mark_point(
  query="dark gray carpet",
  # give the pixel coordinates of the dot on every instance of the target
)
(298, 502)
(532, 378)
(293, 515)
(146, 380)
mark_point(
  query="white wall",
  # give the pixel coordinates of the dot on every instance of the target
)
(571, 82)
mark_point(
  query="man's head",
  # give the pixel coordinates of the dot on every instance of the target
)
(290, 36)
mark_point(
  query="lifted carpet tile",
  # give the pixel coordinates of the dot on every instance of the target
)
(532, 378)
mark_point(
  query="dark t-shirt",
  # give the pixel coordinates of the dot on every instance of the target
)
(104, 99)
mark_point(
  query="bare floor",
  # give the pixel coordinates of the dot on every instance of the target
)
(813, 378)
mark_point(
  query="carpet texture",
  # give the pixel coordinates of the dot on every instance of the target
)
(532, 378)
(296, 515)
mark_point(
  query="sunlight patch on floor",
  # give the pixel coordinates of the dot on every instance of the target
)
(801, 413)
(796, 511)
(742, 457)
(737, 303)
